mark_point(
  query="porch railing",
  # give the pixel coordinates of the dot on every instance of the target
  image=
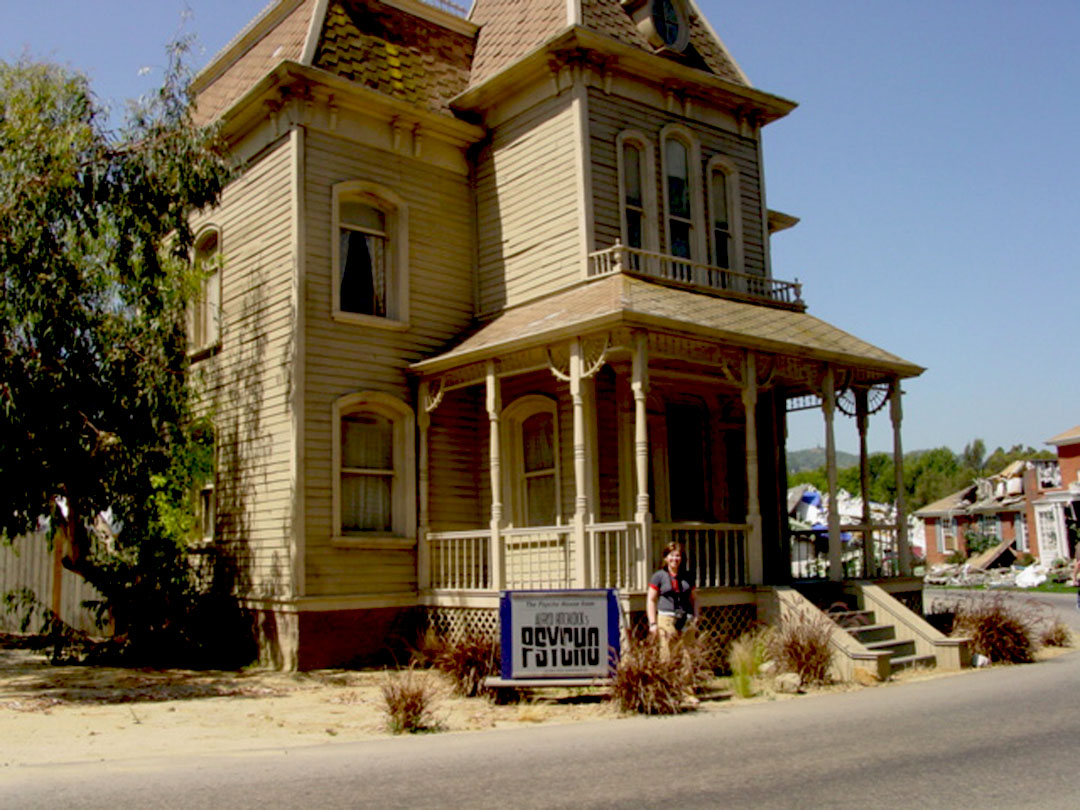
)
(541, 557)
(716, 552)
(460, 561)
(871, 551)
(731, 283)
(618, 559)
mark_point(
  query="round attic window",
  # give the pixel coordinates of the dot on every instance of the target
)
(664, 23)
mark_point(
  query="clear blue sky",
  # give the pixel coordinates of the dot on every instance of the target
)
(933, 161)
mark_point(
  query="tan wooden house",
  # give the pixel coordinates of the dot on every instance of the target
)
(495, 309)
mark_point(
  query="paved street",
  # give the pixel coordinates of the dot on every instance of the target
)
(1003, 737)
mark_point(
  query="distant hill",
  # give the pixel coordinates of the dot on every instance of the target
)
(804, 460)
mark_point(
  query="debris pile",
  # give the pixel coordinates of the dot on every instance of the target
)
(968, 575)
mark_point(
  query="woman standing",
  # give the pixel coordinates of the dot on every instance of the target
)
(672, 603)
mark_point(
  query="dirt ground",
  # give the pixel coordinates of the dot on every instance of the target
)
(52, 714)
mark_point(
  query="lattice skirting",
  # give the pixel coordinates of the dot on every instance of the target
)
(722, 624)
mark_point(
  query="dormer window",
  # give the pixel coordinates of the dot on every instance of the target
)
(664, 23)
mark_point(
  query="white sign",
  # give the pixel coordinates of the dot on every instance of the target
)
(559, 634)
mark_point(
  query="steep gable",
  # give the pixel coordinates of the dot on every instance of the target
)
(395, 53)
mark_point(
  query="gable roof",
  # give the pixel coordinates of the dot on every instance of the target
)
(510, 29)
(1071, 436)
(955, 502)
(618, 298)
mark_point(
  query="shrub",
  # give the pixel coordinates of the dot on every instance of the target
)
(1000, 630)
(956, 558)
(648, 682)
(745, 657)
(1024, 559)
(800, 644)
(467, 660)
(1056, 634)
(409, 701)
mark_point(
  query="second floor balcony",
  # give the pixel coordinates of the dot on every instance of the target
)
(705, 278)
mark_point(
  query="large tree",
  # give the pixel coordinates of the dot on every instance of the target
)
(95, 408)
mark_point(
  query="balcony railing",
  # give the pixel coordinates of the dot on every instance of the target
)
(686, 273)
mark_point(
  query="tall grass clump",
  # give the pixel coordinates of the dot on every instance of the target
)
(800, 644)
(649, 682)
(1001, 630)
(409, 701)
(745, 657)
(467, 660)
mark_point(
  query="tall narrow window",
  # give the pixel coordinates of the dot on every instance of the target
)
(538, 455)
(373, 460)
(204, 312)
(721, 222)
(370, 256)
(362, 259)
(367, 473)
(680, 223)
(633, 198)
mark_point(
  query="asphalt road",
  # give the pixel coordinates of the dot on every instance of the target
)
(1003, 737)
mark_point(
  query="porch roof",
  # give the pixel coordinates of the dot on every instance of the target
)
(623, 300)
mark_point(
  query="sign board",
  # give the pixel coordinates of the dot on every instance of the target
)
(558, 634)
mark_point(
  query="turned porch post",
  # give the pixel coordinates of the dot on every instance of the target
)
(862, 422)
(423, 553)
(581, 496)
(639, 384)
(828, 405)
(896, 414)
(753, 507)
(494, 409)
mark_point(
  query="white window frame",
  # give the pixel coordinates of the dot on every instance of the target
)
(649, 235)
(1020, 531)
(947, 530)
(693, 165)
(990, 525)
(403, 481)
(396, 213)
(514, 477)
(1050, 515)
(204, 310)
(720, 164)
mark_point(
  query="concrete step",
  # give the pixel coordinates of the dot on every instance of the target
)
(898, 648)
(873, 632)
(909, 661)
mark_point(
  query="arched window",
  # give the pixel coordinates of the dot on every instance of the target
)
(204, 311)
(531, 437)
(370, 255)
(374, 461)
(682, 196)
(637, 193)
(725, 222)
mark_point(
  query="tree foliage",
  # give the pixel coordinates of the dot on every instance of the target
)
(929, 475)
(95, 406)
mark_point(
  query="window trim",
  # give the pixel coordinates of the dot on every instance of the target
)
(511, 420)
(698, 251)
(721, 164)
(200, 350)
(649, 236)
(403, 486)
(396, 212)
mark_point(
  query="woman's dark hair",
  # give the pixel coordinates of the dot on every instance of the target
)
(674, 545)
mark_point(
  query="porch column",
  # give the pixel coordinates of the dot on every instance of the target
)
(861, 420)
(828, 405)
(581, 496)
(639, 384)
(494, 409)
(896, 414)
(753, 507)
(423, 553)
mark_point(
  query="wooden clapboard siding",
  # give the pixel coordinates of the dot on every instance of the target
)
(342, 358)
(457, 447)
(528, 203)
(247, 383)
(610, 115)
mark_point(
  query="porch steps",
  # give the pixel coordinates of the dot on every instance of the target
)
(861, 625)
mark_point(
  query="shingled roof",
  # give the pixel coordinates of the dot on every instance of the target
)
(510, 29)
(634, 300)
(397, 54)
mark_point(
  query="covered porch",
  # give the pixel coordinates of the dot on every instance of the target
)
(564, 443)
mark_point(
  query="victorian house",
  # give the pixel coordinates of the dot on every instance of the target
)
(494, 309)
